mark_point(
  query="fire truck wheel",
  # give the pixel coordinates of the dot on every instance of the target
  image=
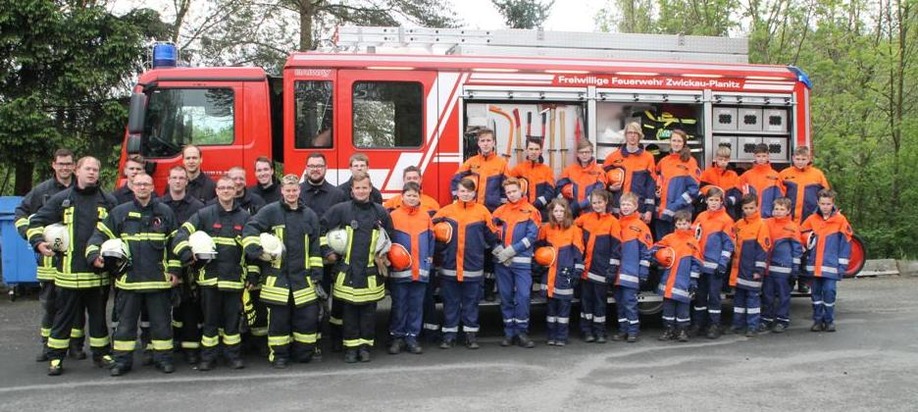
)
(650, 308)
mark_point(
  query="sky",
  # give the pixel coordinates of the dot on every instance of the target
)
(566, 15)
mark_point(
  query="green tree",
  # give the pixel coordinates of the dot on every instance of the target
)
(524, 14)
(262, 33)
(68, 65)
(627, 16)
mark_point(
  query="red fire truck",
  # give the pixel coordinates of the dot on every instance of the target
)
(378, 93)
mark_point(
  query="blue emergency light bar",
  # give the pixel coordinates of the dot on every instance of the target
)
(165, 55)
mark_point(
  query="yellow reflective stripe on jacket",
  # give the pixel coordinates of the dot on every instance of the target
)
(35, 231)
(121, 284)
(315, 262)
(21, 222)
(177, 250)
(105, 230)
(146, 236)
(249, 241)
(91, 249)
(80, 280)
(46, 270)
(372, 293)
(231, 285)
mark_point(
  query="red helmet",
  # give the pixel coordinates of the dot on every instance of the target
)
(545, 255)
(568, 191)
(615, 176)
(665, 257)
(443, 232)
(399, 257)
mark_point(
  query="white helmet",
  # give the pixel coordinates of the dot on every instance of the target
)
(58, 237)
(272, 247)
(383, 243)
(203, 246)
(337, 240)
(116, 254)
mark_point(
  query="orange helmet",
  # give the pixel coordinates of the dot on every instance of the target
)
(545, 255)
(399, 257)
(665, 257)
(443, 232)
(568, 191)
(615, 176)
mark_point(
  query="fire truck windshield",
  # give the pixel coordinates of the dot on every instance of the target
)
(176, 117)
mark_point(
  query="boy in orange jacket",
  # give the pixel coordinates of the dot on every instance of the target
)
(762, 180)
(802, 183)
(783, 267)
(714, 229)
(682, 266)
(827, 235)
(753, 243)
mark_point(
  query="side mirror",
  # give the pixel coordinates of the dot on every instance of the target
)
(132, 145)
(136, 113)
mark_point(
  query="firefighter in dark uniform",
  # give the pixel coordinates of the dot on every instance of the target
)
(132, 166)
(290, 282)
(145, 226)
(187, 317)
(267, 186)
(359, 162)
(62, 179)
(222, 279)
(79, 285)
(245, 199)
(359, 281)
(319, 195)
(200, 186)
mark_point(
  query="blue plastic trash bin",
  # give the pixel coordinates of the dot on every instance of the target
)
(19, 261)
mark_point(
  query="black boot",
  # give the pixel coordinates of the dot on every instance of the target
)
(683, 335)
(471, 341)
(667, 334)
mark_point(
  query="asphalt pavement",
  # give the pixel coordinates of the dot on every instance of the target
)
(869, 364)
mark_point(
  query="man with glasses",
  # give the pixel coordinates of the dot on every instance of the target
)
(248, 201)
(34, 200)
(319, 195)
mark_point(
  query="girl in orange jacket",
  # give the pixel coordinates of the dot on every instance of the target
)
(413, 230)
(558, 282)
(678, 174)
(602, 237)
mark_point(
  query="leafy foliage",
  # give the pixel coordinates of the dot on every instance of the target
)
(524, 14)
(862, 59)
(67, 66)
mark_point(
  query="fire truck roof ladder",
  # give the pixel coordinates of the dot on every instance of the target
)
(535, 43)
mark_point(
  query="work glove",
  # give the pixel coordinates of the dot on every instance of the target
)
(497, 251)
(320, 292)
(693, 286)
(506, 254)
